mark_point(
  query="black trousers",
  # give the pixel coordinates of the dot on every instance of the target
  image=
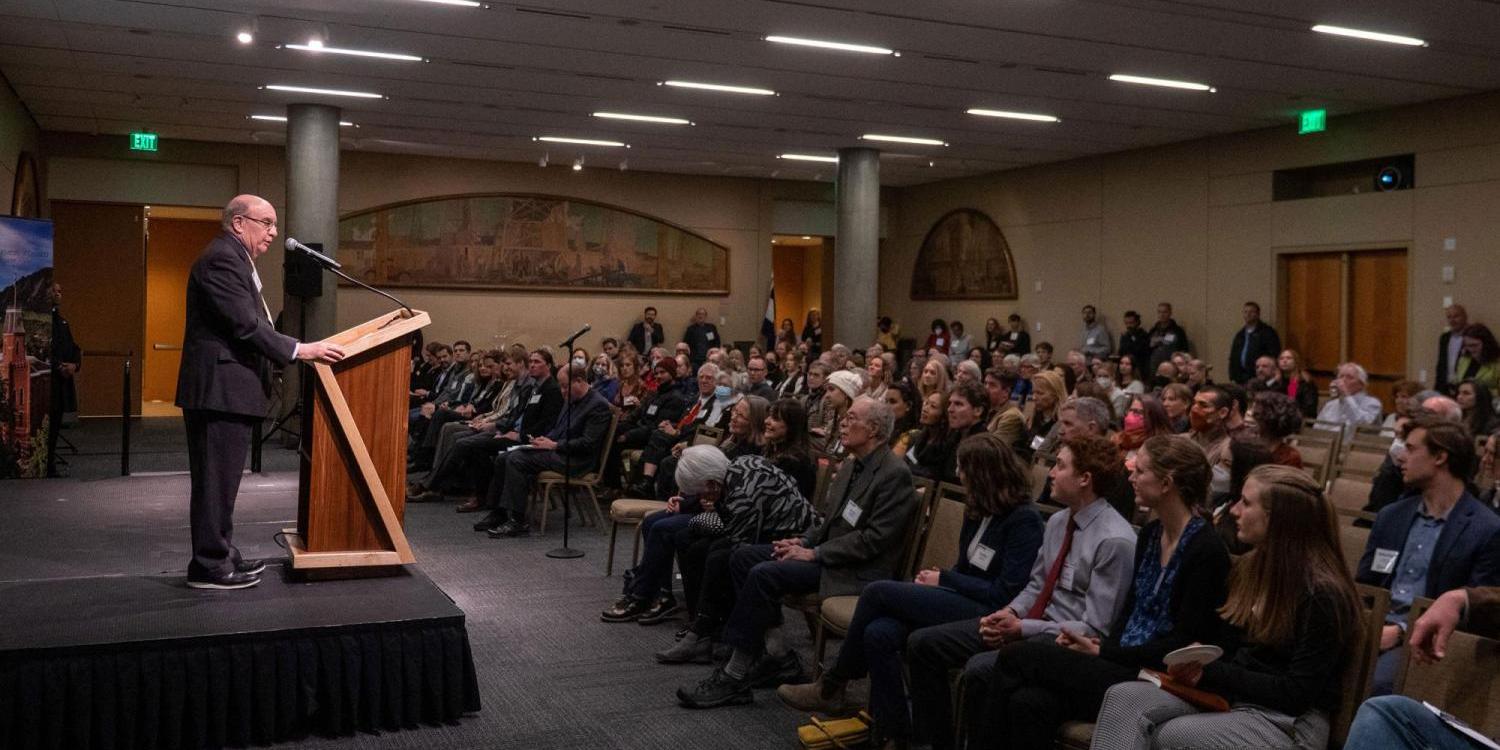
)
(218, 444)
(1034, 688)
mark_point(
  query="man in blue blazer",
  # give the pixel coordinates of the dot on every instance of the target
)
(1436, 538)
(228, 344)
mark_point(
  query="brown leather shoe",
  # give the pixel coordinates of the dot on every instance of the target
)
(472, 506)
(818, 696)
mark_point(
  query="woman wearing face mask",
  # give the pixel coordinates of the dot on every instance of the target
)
(603, 378)
(581, 357)
(1144, 419)
(1177, 399)
(1295, 625)
(939, 340)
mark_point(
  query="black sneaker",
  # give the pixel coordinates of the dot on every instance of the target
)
(698, 651)
(231, 581)
(423, 496)
(510, 528)
(663, 609)
(625, 609)
(491, 521)
(250, 567)
(718, 690)
(774, 671)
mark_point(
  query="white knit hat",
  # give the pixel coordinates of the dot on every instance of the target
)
(847, 382)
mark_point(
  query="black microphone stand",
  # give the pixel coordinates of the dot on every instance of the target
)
(565, 552)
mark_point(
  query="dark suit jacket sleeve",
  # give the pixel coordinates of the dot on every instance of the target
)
(595, 424)
(1486, 570)
(888, 506)
(234, 303)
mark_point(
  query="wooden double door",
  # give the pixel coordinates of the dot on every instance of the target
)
(1347, 306)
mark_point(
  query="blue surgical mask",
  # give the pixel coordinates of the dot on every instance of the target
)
(722, 391)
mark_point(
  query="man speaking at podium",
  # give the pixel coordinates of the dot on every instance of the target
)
(227, 348)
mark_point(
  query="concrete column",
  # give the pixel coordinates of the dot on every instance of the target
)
(856, 250)
(312, 215)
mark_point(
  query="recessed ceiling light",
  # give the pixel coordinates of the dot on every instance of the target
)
(323, 92)
(643, 118)
(902, 139)
(279, 118)
(840, 46)
(1374, 36)
(1165, 82)
(719, 87)
(1013, 115)
(580, 141)
(245, 37)
(319, 48)
(810, 157)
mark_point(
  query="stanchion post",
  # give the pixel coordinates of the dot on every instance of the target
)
(125, 418)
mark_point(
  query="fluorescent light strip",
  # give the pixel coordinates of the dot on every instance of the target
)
(840, 46)
(580, 141)
(354, 52)
(719, 87)
(643, 118)
(323, 92)
(810, 157)
(902, 139)
(462, 3)
(1374, 36)
(1013, 115)
(1165, 82)
(279, 118)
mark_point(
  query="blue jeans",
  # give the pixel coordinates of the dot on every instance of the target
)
(887, 612)
(1393, 722)
(653, 574)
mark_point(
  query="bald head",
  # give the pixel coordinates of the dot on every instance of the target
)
(1443, 408)
(252, 220)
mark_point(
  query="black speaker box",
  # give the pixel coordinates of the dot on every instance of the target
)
(302, 276)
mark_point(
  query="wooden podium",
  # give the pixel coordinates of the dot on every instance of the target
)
(352, 491)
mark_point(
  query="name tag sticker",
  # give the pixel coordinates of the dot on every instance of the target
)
(651, 410)
(852, 513)
(911, 454)
(709, 336)
(1169, 338)
(1036, 442)
(1385, 561)
(981, 557)
(536, 398)
(1093, 340)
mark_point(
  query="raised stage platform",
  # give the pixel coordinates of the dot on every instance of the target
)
(136, 660)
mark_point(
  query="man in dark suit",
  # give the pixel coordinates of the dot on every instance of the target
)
(1436, 538)
(536, 411)
(700, 336)
(66, 358)
(1255, 340)
(574, 442)
(228, 345)
(646, 334)
(860, 542)
(1451, 347)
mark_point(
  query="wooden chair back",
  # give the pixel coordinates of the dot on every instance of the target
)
(1353, 540)
(1374, 601)
(1463, 683)
(1361, 461)
(944, 529)
(708, 436)
(1349, 496)
(1315, 460)
(927, 498)
(609, 440)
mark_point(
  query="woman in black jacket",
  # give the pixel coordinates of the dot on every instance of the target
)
(937, 457)
(1181, 568)
(1295, 616)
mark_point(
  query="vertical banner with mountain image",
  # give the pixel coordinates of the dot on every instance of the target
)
(25, 345)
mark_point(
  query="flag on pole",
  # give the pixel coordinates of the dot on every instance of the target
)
(768, 325)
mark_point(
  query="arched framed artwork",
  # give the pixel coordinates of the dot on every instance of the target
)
(528, 242)
(964, 256)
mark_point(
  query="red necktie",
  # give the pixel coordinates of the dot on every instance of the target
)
(691, 415)
(1043, 599)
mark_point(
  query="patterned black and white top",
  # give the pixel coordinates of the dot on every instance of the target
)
(760, 503)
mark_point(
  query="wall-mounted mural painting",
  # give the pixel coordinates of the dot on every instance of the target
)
(527, 242)
(964, 256)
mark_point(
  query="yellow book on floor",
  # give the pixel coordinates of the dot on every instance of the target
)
(835, 733)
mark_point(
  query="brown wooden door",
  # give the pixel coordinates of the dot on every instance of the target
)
(99, 257)
(171, 247)
(1347, 307)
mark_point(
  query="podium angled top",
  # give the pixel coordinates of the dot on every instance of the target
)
(376, 331)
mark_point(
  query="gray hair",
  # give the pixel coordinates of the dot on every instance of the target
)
(1443, 408)
(1091, 411)
(711, 369)
(1014, 360)
(879, 416)
(239, 206)
(699, 465)
(1030, 359)
(1359, 372)
(970, 367)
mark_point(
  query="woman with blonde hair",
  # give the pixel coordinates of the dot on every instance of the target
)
(1293, 607)
(1048, 392)
(934, 376)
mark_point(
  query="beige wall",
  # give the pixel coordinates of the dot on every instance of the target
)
(18, 133)
(1194, 224)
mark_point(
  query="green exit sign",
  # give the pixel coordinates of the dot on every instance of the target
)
(1313, 121)
(142, 141)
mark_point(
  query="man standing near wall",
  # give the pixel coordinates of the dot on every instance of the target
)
(1255, 340)
(700, 336)
(227, 347)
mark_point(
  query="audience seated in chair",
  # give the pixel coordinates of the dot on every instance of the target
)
(710, 407)
(537, 409)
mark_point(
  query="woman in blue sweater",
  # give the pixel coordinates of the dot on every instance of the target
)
(997, 547)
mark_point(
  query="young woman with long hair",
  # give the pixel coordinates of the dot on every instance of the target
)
(934, 376)
(1298, 382)
(788, 445)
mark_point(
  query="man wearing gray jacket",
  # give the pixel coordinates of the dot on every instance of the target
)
(861, 542)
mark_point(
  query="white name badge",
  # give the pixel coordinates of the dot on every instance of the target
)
(651, 410)
(536, 398)
(852, 513)
(1093, 340)
(981, 557)
(1169, 338)
(1036, 442)
(1385, 561)
(1014, 335)
(709, 335)
(911, 454)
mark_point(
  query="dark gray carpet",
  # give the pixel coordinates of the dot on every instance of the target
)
(551, 675)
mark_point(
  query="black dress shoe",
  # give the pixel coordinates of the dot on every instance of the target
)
(425, 496)
(231, 581)
(627, 608)
(510, 528)
(773, 671)
(250, 567)
(664, 608)
(491, 521)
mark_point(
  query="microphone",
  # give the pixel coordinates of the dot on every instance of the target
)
(327, 262)
(585, 329)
